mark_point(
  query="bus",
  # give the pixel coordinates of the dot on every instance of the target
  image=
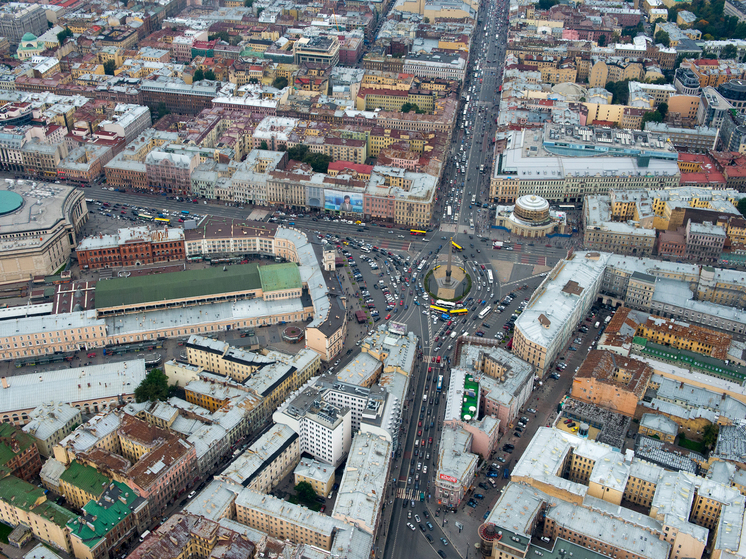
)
(439, 309)
(162, 220)
(566, 206)
(445, 317)
(458, 248)
(446, 304)
(449, 211)
(459, 311)
(490, 279)
(484, 312)
(146, 217)
(439, 387)
(422, 265)
(184, 212)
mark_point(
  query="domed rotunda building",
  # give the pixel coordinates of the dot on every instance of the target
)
(531, 217)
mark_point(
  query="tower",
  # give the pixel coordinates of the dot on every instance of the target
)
(448, 265)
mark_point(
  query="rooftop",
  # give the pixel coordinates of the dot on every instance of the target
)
(40, 207)
(360, 369)
(455, 460)
(260, 455)
(94, 382)
(295, 514)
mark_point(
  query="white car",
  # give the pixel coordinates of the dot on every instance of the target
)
(410, 526)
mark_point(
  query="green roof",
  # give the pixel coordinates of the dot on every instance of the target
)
(54, 513)
(20, 493)
(99, 517)
(178, 285)
(471, 398)
(85, 478)
(9, 201)
(279, 277)
(24, 441)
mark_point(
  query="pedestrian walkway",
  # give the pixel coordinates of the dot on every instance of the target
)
(408, 494)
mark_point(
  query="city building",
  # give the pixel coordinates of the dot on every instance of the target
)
(704, 241)
(223, 359)
(319, 475)
(456, 467)
(19, 455)
(51, 422)
(734, 91)
(542, 163)
(322, 50)
(530, 217)
(608, 380)
(40, 225)
(17, 19)
(266, 462)
(325, 430)
(131, 246)
(602, 232)
(697, 139)
(449, 66)
(557, 307)
(362, 491)
(114, 384)
(658, 426)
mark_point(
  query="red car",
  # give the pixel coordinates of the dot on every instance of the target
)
(438, 359)
(429, 369)
(429, 441)
(419, 433)
(388, 316)
(432, 360)
(91, 355)
(401, 303)
(437, 338)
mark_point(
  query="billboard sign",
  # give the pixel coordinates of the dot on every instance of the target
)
(398, 328)
(345, 202)
(451, 479)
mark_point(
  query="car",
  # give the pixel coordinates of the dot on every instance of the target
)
(478, 496)
(531, 410)
(388, 316)
(442, 555)
(427, 514)
(429, 538)
(472, 503)
(417, 518)
(501, 459)
(429, 524)
(410, 526)
(445, 541)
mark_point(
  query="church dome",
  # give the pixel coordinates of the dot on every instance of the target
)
(28, 37)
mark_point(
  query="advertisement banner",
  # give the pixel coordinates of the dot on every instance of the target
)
(346, 202)
(445, 477)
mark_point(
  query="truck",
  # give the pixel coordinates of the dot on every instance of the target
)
(454, 334)
(497, 245)
(598, 324)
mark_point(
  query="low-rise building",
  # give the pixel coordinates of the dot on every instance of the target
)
(319, 475)
(51, 422)
(659, 426)
(132, 246)
(456, 467)
(19, 455)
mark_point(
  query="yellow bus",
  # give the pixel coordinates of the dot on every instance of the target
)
(459, 311)
(458, 248)
(417, 233)
(162, 220)
(436, 308)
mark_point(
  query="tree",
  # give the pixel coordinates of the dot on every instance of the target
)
(109, 67)
(426, 20)
(222, 35)
(710, 435)
(264, 146)
(198, 75)
(729, 52)
(663, 109)
(259, 11)
(620, 92)
(602, 41)
(153, 387)
(280, 82)
(651, 116)
(672, 14)
(409, 107)
(162, 110)
(546, 4)
(64, 34)
(663, 38)
(248, 3)
(253, 80)
(298, 152)
(210, 75)
(319, 162)
(305, 492)
(742, 206)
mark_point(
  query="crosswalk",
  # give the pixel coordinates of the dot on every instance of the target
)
(408, 494)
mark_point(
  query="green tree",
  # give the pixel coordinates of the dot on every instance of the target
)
(222, 35)
(663, 38)
(426, 20)
(259, 11)
(409, 107)
(319, 162)
(162, 110)
(198, 75)
(620, 92)
(64, 34)
(305, 492)
(663, 109)
(280, 82)
(546, 4)
(672, 14)
(253, 80)
(602, 41)
(109, 67)
(651, 116)
(298, 152)
(729, 52)
(153, 387)
(710, 435)
(210, 75)
(248, 3)
(742, 206)
(264, 146)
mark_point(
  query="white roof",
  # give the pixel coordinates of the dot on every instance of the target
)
(49, 418)
(108, 380)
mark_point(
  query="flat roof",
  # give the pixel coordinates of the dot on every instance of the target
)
(260, 455)
(41, 205)
(48, 418)
(454, 455)
(293, 514)
(134, 290)
(108, 380)
(279, 277)
(360, 369)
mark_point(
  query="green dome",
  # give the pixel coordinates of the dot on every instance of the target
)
(9, 202)
(28, 37)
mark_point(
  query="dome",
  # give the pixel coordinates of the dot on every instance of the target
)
(532, 203)
(28, 38)
(532, 209)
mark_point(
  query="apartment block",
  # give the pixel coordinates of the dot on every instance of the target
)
(19, 455)
(51, 422)
(132, 246)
